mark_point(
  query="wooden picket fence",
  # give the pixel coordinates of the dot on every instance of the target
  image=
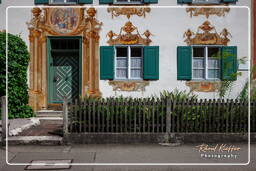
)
(155, 115)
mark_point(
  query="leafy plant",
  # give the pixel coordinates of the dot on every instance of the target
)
(178, 95)
(18, 59)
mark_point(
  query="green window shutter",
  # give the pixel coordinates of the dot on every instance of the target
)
(229, 1)
(150, 1)
(0, 1)
(184, 1)
(106, 1)
(151, 63)
(85, 1)
(41, 1)
(184, 63)
(107, 62)
(229, 63)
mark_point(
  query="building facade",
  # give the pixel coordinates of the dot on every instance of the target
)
(136, 48)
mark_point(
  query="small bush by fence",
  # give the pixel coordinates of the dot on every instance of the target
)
(155, 115)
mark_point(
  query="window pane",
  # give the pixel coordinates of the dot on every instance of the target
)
(213, 63)
(213, 73)
(207, 1)
(136, 52)
(198, 63)
(136, 62)
(198, 52)
(214, 52)
(121, 0)
(121, 62)
(72, 1)
(198, 73)
(136, 73)
(121, 52)
(121, 73)
(58, 1)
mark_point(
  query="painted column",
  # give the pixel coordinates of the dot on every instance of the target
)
(93, 36)
(85, 67)
(43, 73)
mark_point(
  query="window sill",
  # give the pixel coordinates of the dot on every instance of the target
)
(128, 85)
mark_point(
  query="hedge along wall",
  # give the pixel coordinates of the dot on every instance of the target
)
(18, 60)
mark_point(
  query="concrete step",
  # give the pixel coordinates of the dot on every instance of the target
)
(38, 140)
(49, 113)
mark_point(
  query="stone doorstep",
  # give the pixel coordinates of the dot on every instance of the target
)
(38, 140)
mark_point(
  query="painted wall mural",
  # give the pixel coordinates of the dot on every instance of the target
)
(64, 20)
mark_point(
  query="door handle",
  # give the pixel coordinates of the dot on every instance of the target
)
(55, 79)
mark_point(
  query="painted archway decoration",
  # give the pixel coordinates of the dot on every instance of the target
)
(62, 21)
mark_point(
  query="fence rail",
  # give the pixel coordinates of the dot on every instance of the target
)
(154, 115)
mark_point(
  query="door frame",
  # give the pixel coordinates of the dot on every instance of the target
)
(50, 71)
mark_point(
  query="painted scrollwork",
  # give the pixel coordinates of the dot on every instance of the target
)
(203, 86)
(129, 35)
(128, 12)
(207, 35)
(220, 12)
(128, 85)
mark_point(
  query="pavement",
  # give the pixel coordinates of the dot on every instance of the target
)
(119, 154)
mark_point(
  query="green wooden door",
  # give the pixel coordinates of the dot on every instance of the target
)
(64, 69)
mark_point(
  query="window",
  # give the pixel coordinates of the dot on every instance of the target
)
(128, 63)
(63, 1)
(60, 2)
(205, 1)
(128, 1)
(206, 63)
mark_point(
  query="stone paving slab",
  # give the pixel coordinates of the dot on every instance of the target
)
(96, 153)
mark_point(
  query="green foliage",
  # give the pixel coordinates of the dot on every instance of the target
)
(178, 95)
(18, 60)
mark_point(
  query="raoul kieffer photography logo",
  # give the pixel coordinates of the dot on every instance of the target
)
(218, 151)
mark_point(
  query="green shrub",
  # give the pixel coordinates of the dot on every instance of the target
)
(18, 60)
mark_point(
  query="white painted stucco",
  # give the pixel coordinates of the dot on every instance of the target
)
(167, 24)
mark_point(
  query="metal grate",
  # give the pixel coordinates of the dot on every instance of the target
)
(49, 164)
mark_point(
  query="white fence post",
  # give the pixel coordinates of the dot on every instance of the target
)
(4, 118)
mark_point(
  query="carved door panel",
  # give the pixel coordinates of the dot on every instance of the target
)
(65, 77)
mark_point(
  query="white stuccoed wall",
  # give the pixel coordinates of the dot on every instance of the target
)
(167, 25)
